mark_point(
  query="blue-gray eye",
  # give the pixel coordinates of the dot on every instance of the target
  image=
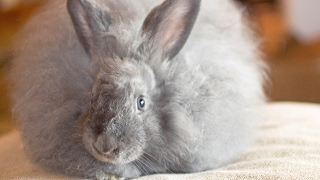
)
(141, 103)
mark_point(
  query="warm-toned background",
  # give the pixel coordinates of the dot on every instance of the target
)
(295, 66)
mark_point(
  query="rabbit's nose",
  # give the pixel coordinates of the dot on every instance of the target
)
(106, 146)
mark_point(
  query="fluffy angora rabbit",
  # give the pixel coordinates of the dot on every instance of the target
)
(135, 87)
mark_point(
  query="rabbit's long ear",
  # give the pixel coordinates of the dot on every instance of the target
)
(168, 26)
(90, 22)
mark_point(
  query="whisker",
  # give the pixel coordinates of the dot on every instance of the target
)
(164, 166)
(137, 169)
(167, 169)
(137, 165)
(148, 162)
(143, 169)
(143, 166)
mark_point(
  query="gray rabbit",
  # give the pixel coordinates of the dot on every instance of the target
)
(136, 87)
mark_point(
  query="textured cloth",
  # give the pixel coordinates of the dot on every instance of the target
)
(287, 147)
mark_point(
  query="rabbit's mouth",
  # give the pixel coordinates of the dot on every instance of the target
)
(110, 157)
(106, 150)
(116, 156)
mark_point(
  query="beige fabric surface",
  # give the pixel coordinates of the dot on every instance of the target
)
(287, 147)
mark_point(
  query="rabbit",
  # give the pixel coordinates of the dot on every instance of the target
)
(126, 88)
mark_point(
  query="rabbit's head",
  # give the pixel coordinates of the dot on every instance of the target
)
(124, 116)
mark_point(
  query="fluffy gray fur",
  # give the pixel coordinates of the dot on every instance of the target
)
(77, 81)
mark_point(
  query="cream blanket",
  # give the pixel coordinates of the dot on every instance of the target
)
(287, 147)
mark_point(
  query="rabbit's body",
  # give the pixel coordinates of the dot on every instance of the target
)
(203, 102)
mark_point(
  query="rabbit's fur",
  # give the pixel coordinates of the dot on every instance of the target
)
(76, 90)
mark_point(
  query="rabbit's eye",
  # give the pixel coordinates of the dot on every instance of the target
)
(141, 103)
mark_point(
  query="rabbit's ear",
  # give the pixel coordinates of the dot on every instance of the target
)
(90, 22)
(168, 25)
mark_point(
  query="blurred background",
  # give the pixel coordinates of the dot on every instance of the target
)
(290, 32)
